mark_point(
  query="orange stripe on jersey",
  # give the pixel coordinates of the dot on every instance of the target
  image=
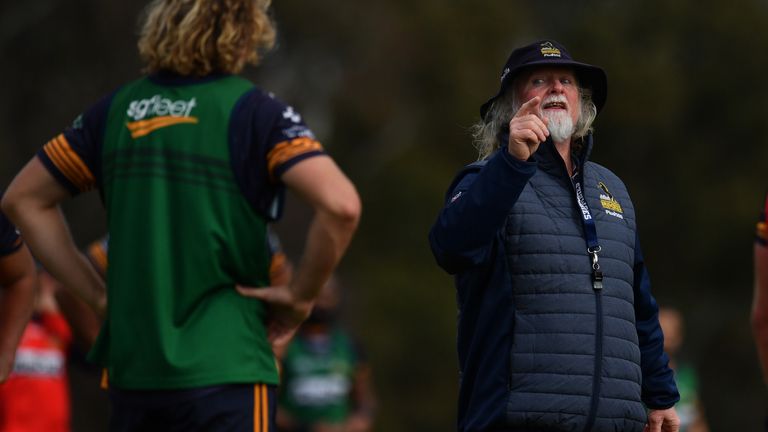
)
(104, 384)
(63, 145)
(69, 163)
(256, 409)
(145, 127)
(279, 270)
(762, 230)
(264, 408)
(287, 150)
(98, 256)
(65, 166)
(163, 120)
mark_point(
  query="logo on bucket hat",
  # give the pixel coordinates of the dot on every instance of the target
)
(550, 53)
(549, 50)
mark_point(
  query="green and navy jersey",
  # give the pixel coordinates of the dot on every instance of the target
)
(10, 241)
(189, 172)
(266, 138)
(318, 375)
(279, 270)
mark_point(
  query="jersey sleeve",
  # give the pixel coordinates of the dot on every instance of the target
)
(10, 240)
(289, 141)
(266, 138)
(74, 156)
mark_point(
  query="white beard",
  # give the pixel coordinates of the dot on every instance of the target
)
(560, 124)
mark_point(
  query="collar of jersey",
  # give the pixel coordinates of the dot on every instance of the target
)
(170, 78)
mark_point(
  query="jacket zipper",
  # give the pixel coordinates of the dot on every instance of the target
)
(597, 289)
(598, 359)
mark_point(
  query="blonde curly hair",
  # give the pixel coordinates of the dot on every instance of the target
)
(199, 37)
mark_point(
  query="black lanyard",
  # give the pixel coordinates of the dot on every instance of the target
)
(590, 230)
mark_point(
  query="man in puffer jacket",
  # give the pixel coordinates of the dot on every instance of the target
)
(558, 330)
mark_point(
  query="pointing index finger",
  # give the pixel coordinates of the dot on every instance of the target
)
(530, 107)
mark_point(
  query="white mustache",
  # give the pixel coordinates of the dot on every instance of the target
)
(555, 98)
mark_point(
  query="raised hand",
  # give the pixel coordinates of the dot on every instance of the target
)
(527, 129)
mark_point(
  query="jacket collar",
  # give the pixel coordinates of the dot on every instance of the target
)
(549, 160)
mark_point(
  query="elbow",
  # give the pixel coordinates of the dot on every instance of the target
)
(442, 258)
(452, 260)
(5, 204)
(347, 210)
(351, 211)
(452, 267)
(10, 205)
(16, 206)
(17, 202)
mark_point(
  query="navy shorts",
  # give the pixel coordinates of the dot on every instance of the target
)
(230, 408)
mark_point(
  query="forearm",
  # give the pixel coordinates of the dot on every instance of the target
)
(16, 304)
(49, 238)
(659, 390)
(32, 203)
(85, 324)
(658, 387)
(320, 183)
(328, 238)
(336, 204)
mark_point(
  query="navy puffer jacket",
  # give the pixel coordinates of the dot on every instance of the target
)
(539, 348)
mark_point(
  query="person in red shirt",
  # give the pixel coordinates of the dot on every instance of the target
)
(36, 395)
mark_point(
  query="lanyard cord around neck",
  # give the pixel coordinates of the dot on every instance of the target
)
(590, 230)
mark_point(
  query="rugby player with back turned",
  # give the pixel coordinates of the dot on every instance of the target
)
(191, 162)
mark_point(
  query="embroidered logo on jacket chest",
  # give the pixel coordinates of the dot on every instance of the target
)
(609, 203)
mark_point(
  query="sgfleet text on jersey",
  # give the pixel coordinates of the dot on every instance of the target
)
(160, 106)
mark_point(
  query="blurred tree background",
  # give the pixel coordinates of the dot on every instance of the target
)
(391, 88)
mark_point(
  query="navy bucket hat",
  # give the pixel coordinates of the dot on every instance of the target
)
(551, 53)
